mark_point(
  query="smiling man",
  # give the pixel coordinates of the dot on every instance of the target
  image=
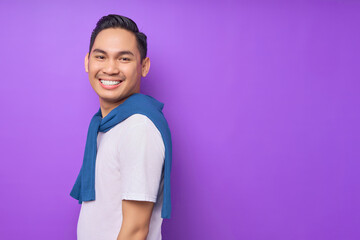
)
(124, 182)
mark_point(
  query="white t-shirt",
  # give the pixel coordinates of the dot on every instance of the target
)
(129, 163)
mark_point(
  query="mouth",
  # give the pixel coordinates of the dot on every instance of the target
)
(110, 84)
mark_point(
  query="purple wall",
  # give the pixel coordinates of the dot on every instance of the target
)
(262, 100)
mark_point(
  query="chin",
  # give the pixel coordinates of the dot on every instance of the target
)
(112, 98)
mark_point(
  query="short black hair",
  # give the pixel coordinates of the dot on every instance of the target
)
(118, 21)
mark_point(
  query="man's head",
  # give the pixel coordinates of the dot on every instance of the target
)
(117, 53)
(117, 21)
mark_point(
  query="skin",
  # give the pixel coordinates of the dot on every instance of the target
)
(115, 56)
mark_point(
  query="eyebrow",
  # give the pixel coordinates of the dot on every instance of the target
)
(118, 53)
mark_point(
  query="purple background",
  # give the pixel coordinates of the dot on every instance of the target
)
(262, 99)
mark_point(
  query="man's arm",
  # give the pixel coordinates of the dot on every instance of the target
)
(136, 220)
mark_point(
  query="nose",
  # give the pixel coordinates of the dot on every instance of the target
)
(111, 67)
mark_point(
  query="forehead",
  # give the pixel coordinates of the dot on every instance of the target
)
(116, 39)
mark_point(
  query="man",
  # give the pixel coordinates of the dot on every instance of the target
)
(124, 183)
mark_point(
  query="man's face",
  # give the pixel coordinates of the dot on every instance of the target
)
(114, 66)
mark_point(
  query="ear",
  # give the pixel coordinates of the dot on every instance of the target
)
(86, 62)
(145, 67)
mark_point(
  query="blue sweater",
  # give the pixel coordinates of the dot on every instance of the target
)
(84, 187)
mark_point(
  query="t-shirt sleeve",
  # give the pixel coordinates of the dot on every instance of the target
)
(142, 162)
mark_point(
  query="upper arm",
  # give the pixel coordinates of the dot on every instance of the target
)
(141, 173)
(143, 156)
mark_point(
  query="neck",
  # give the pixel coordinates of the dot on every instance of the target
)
(106, 106)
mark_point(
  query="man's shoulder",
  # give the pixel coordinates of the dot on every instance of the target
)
(137, 119)
(140, 126)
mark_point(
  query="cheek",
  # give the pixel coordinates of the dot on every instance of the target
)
(130, 70)
(94, 67)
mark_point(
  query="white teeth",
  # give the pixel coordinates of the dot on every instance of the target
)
(106, 82)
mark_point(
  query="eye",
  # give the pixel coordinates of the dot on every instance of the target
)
(125, 59)
(100, 57)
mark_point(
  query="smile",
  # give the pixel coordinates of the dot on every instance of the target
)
(110, 84)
